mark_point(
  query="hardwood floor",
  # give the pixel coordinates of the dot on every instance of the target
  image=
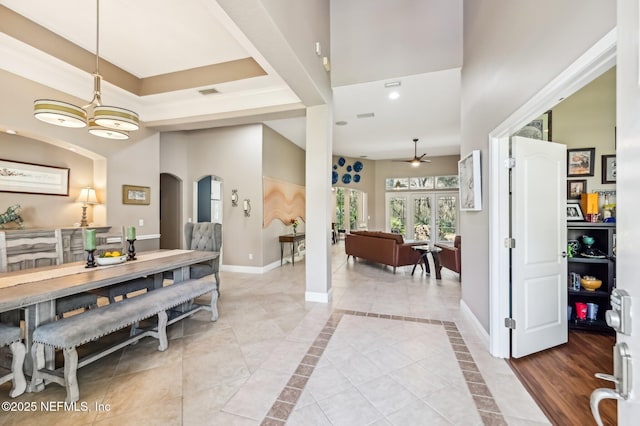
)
(561, 379)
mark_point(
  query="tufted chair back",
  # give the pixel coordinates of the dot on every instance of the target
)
(204, 236)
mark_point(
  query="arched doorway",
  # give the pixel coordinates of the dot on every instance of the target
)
(208, 199)
(170, 211)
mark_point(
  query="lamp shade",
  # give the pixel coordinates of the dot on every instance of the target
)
(87, 196)
(59, 113)
(115, 118)
(106, 133)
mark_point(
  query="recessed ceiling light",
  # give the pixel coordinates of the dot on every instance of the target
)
(341, 123)
(394, 95)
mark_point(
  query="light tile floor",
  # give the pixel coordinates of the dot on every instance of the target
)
(390, 349)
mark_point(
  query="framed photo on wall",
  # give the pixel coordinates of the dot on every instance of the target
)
(30, 178)
(136, 195)
(580, 162)
(469, 181)
(608, 169)
(575, 188)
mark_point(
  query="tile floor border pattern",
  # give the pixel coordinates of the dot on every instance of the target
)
(485, 403)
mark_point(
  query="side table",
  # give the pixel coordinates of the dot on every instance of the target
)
(424, 251)
(291, 239)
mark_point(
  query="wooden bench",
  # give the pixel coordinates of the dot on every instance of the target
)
(69, 333)
(12, 337)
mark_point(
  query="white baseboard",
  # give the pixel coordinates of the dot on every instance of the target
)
(482, 333)
(250, 269)
(311, 296)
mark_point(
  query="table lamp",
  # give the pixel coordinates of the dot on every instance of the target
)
(87, 197)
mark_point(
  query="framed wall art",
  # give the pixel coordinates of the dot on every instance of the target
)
(136, 195)
(580, 162)
(574, 212)
(469, 173)
(575, 188)
(29, 178)
(608, 169)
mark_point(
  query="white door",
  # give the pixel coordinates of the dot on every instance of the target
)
(539, 264)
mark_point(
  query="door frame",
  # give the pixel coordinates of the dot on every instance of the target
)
(595, 61)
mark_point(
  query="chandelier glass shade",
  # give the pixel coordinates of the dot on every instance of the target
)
(59, 113)
(109, 122)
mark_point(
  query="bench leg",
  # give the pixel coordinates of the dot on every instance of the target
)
(37, 357)
(70, 374)
(162, 331)
(18, 352)
(217, 275)
(214, 306)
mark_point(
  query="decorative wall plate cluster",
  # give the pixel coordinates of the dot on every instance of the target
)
(352, 172)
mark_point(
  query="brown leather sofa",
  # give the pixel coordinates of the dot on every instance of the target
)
(382, 247)
(450, 256)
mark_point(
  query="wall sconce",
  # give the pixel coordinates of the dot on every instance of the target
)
(234, 197)
(87, 196)
(247, 207)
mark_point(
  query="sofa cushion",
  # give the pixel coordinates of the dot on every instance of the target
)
(379, 234)
(397, 237)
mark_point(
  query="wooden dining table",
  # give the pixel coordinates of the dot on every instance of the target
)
(36, 290)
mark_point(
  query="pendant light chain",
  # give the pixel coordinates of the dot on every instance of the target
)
(109, 122)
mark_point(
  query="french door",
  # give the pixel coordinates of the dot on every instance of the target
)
(426, 216)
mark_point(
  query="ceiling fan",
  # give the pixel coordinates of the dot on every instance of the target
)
(415, 161)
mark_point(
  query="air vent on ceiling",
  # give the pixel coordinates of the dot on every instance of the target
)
(208, 91)
(366, 115)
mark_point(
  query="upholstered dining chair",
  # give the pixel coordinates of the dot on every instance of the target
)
(203, 236)
(41, 249)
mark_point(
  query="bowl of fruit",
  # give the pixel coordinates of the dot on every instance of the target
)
(111, 258)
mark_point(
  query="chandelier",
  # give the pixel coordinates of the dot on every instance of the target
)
(109, 122)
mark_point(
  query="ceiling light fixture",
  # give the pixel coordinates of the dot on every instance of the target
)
(394, 95)
(109, 122)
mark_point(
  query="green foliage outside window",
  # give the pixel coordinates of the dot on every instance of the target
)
(447, 218)
(340, 208)
(397, 208)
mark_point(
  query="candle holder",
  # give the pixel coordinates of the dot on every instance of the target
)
(132, 251)
(91, 262)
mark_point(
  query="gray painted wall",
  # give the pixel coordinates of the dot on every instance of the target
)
(240, 156)
(285, 161)
(48, 210)
(235, 155)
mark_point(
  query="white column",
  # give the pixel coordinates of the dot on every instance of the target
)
(318, 204)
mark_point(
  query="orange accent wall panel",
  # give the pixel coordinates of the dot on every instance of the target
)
(283, 201)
